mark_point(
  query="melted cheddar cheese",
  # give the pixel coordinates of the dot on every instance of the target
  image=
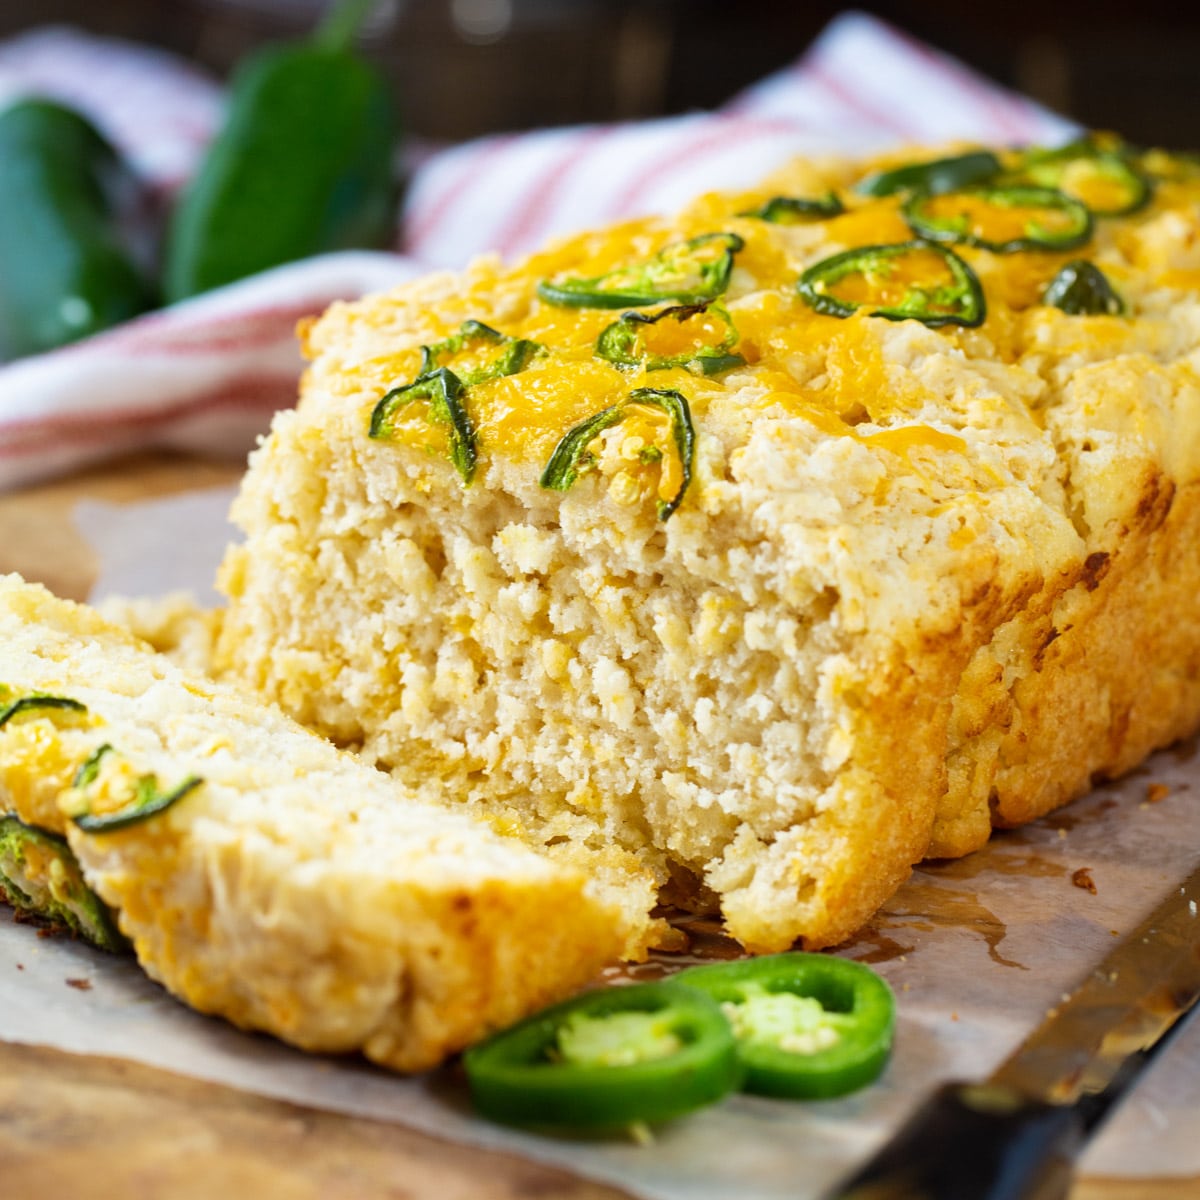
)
(828, 370)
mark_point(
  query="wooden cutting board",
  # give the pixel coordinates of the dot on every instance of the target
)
(105, 1129)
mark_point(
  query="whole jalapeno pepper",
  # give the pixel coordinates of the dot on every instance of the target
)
(303, 164)
(65, 270)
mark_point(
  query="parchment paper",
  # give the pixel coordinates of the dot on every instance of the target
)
(977, 951)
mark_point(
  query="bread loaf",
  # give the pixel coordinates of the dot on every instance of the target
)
(289, 888)
(913, 558)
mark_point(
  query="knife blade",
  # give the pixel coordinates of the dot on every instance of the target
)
(1015, 1136)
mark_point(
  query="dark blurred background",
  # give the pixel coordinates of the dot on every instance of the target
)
(465, 67)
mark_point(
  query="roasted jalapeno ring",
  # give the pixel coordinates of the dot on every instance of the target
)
(688, 272)
(795, 210)
(1103, 179)
(607, 1059)
(1002, 219)
(514, 356)
(40, 875)
(148, 800)
(36, 702)
(443, 390)
(1081, 288)
(808, 1026)
(934, 177)
(624, 342)
(571, 457)
(904, 280)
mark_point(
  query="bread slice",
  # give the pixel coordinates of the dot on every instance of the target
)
(293, 889)
(924, 580)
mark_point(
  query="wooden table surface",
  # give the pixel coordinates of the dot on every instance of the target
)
(104, 1129)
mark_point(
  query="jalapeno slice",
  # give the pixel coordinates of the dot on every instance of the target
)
(1102, 178)
(934, 177)
(36, 702)
(904, 280)
(624, 342)
(808, 1026)
(1002, 219)
(39, 875)
(571, 457)
(1081, 288)
(609, 1058)
(443, 392)
(445, 389)
(148, 799)
(688, 272)
(514, 357)
(797, 210)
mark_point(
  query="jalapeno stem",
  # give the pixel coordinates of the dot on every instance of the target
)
(341, 23)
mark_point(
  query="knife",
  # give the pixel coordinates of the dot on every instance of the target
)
(1016, 1135)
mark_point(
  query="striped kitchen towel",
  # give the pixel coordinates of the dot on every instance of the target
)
(205, 375)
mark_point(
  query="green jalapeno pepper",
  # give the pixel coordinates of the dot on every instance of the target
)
(65, 269)
(900, 281)
(607, 1059)
(934, 177)
(809, 1026)
(444, 392)
(514, 357)
(148, 800)
(36, 702)
(1105, 179)
(624, 342)
(571, 456)
(302, 165)
(1081, 288)
(795, 210)
(40, 876)
(1002, 219)
(445, 389)
(688, 272)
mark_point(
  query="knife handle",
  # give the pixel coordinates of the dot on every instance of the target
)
(974, 1142)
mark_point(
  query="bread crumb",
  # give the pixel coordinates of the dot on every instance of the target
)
(1083, 879)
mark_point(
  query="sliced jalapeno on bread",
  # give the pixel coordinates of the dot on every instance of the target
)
(933, 177)
(572, 456)
(796, 210)
(39, 876)
(920, 281)
(693, 271)
(1103, 178)
(1081, 288)
(702, 337)
(1001, 219)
